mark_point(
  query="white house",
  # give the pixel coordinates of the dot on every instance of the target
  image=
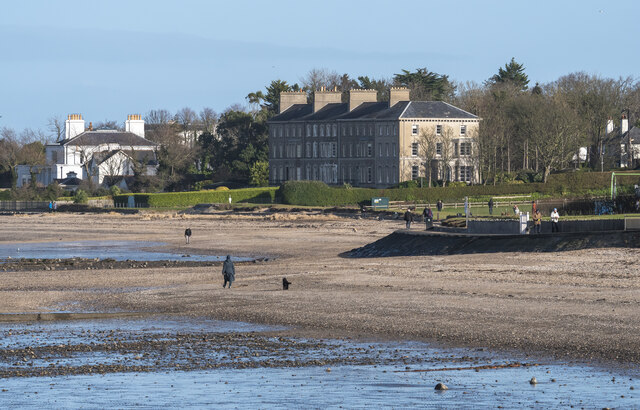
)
(94, 154)
(619, 140)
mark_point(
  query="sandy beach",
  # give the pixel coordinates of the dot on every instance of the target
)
(578, 304)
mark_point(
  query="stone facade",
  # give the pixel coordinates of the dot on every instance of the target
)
(368, 143)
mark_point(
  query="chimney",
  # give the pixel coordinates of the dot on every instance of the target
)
(73, 126)
(289, 98)
(323, 97)
(624, 124)
(609, 129)
(135, 125)
(397, 94)
(357, 97)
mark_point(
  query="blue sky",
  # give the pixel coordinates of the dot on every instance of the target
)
(107, 59)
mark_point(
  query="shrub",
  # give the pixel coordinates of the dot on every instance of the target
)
(115, 190)
(184, 199)
(222, 188)
(80, 197)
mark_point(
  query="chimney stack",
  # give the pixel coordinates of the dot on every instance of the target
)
(609, 129)
(624, 124)
(135, 124)
(289, 98)
(397, 94)
(73, 126)
(323, 97)
(357, 97)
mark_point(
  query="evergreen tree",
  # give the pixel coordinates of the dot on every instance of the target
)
(512, 73)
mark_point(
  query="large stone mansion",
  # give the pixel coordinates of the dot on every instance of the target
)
(368, 143)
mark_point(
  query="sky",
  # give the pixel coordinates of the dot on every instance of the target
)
(107, 59)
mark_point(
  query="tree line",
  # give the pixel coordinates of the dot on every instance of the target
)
(526, 131)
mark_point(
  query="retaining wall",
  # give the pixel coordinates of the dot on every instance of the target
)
(511, 227)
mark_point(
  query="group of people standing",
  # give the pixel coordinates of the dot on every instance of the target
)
(427, 216)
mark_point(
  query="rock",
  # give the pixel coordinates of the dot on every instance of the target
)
(441, 386)
(533, 381)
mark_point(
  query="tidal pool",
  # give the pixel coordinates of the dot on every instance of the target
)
(186, 362)
(116, 250)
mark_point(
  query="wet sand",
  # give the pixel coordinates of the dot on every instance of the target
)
(580, 304)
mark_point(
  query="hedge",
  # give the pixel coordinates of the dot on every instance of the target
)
(182, 199)
(575, 184)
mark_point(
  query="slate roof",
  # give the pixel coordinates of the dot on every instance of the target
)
(373, 111)
(615, 136)
(146, 157)
(434, 109)
(95, 138)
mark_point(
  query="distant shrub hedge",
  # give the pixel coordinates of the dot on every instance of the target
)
(574, 184)
(181, 199)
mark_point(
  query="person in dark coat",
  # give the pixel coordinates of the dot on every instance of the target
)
(490, 206)
(228, 271)
(285, 284)
(439, 207)
(427, 215)
(187, 234)
(408, 218)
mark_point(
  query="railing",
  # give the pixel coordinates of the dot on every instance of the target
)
(24, 205)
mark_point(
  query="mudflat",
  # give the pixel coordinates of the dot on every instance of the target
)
(583, 304)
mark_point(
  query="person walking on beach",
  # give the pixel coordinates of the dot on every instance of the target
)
(439, 208)
(555, 217)
(408, 218)
(187, 235)
(228, 272)
(50, 206)
(490, 206)
(537, 221)
(427, 215)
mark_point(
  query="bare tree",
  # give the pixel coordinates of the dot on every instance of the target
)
(445, 142)
(158, 117)
(427, 142)
(317, 78)
(208, 120)
(56, 126)
(187, 119)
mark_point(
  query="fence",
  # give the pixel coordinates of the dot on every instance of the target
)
(24, 205)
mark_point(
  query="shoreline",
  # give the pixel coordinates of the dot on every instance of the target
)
(571, 305)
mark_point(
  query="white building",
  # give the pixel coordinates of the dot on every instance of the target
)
(94, 154)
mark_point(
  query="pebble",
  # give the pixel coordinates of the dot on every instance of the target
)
(441, 386)
(533, 381)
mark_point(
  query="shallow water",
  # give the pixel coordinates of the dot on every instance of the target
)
(116, 250)
(361, 374)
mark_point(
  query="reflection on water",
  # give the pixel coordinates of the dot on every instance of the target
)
(116, 250)
(381, 374)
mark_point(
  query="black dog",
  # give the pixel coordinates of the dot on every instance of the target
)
(285, 284)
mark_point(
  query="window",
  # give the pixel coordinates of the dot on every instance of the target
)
(414, 149)
(315, 130)
(414, 129)
(315, 150)
(394, 150)
(379, 174)
(465, 148)
(386, 147)
(414, 172)
(308, 130)
(335, 130)
(369, 174)
(54, 157)
(308, 151)
(438, 148)
(380, 150)
(369, 150)
(463, 129)
(321, 130)
(299, 151)
(286, 131)
(438, 129)
(465, 173)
